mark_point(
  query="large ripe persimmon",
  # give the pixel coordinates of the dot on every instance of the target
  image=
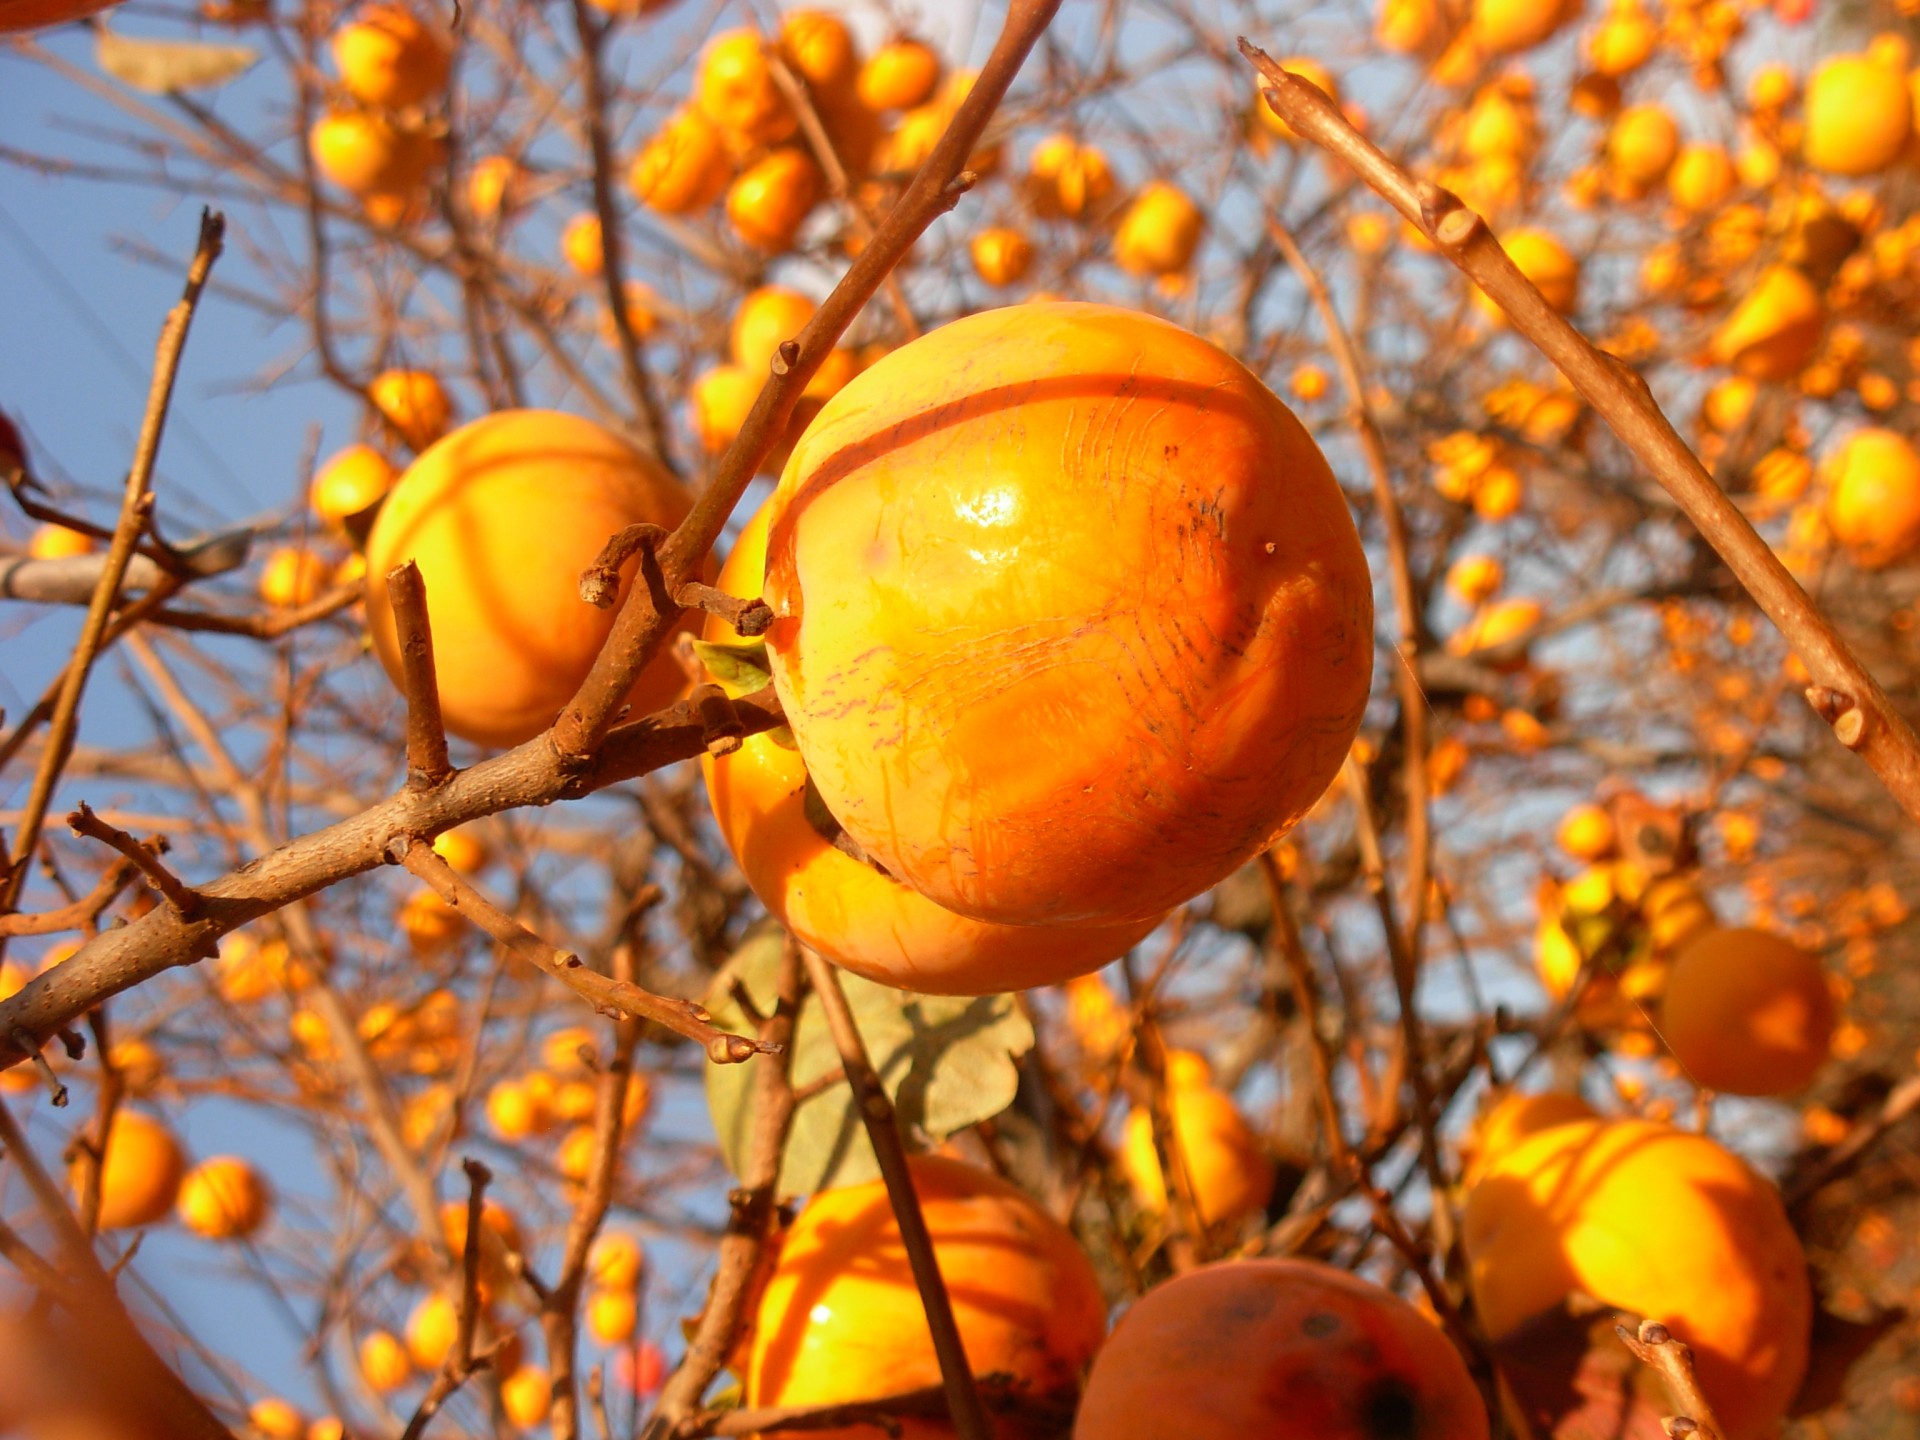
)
(1070, 615)
(502, 516)
(1282, 1350)
(841, 1318)
(843, 907)
(1658, 1222)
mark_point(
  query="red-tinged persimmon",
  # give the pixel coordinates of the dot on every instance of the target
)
(1282, 1350)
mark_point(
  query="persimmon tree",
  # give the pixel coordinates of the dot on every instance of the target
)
(601, 1002)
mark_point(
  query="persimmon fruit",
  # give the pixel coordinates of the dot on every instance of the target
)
(1087, 531)
(1230, 1173)
(1747, 1012)
(841, 1318)
(1281, 1349)
(1660, 1223)
(223, 1199)
(860, 918)
(388, 56)
(139, 1172)
(502, 516)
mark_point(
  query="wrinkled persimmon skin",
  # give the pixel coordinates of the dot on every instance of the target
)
(857, 917)
(1071, 617)
(1281, 1350)
(841, 1318)
(1660, 1223)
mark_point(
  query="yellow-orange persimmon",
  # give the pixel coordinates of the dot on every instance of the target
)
(1659, 1223)
(845, 908)
(414, 403)
(1859, 115)
(1873, 505)
(1747, 1012)
(684, 167)
(1277, 1349)
(1090, 529)
(770, 199)
(366, 154)
(898, 76)
(1775, 328)
(841, 1318)
(388, 56)
(1001, 255)
(735, 89)
(1066, 179)
(1158, 232)
(139, 1173)
(223, 1198)
(1586, 832)
(766, 317)
(502, 516)
(56, 542)
(1230, 1173)
(352, 482)
(1511, 1119)
(1546, 262)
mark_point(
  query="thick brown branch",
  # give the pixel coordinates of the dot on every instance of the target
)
(528, 776)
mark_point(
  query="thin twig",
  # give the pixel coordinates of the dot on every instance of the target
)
(751, 1213)
(1406, 678)
(1656, 1346)
(460, 1362)
(135, 508)
(143, 853)
(603, 992)
(1883, 739)
(876, 1113)
(427, 763)
(82, 913)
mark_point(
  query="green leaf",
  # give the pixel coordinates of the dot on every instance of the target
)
(947, 1062)
(161, 67)
(740, 667)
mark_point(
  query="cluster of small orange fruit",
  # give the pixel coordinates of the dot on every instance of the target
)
(558, 1093)
(1740, 1010)
(144, 1176)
